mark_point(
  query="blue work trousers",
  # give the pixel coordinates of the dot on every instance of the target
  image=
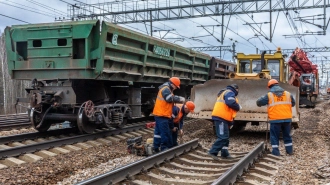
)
(162, 134)
(222, 142)
(275, 129)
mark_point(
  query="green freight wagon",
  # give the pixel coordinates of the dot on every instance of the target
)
(94, 75)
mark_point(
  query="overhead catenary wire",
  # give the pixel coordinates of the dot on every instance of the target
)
(177, 33)
(263, 33)
(174, 34)
(254, 45)
(288, 21)
(317, 40)
(47, 7)
(278, 13)
(31, 8)
(26, 9)
(254, 31)
(171, 32)
(228, 29)
(234, 32)
(14, 18)
(305, 43)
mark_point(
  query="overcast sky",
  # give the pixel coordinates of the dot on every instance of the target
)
(243, 35)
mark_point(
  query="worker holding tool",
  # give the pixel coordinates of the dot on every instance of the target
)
(179, 112)
(223, 115)
(280, 103)
(163, 112)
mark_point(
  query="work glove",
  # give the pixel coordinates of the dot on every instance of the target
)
(174, 129)
(240, 107)
(182, 99)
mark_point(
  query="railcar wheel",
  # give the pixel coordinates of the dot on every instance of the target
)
(83, 124)
(122, 124)
(36, 118)
(89, 108)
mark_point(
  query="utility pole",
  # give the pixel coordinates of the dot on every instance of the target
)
(150, 23)
(322, 68)
(327, 86)
(222, 34)
(325, 17)
(234, 52)
(270, 21)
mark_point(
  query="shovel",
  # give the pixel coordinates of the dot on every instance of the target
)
(266, 145)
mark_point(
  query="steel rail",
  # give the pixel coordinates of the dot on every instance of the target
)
(14, 125)
(230, 176)
(13, 120)
(35, 135)
(8, 121)
(14, 115)
(16, 151)
(132, 169)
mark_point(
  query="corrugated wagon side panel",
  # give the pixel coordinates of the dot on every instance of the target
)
(132, 56)
(53, 51)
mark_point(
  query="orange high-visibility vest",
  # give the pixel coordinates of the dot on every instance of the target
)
(222, 110)
(162, 108)
(279, 107)
(179, 116)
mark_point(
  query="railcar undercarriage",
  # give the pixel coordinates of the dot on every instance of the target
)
(86, 104)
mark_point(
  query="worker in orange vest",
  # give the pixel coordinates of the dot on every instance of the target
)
(163, 112)
(223, 115)
(179, 112)
(280, 103)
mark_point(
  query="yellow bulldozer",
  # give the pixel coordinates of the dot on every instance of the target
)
(252, 76)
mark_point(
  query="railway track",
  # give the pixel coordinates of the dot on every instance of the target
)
(189, 164)
(31, 147)
(11, 121)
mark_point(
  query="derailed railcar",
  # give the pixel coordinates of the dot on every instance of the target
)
(220, 69)
(95, 76)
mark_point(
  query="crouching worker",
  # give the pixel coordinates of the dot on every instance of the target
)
(163, 112)
(179, 112)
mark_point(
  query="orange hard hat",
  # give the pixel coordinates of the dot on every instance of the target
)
(272, 82)
(175, 81)
(190, 105)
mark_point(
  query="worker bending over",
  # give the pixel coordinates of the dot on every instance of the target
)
(179, 112)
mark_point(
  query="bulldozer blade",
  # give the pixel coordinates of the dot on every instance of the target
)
(205, 95)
